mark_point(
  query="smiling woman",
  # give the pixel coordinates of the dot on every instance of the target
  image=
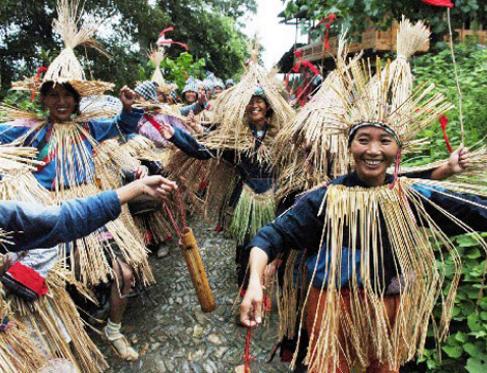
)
(61, 100)
(373, 150)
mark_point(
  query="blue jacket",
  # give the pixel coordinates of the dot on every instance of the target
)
(100, 130)
(301, 228)
(35, 226)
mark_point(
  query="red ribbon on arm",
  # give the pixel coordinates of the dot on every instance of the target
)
(443, 119)
(441, 3)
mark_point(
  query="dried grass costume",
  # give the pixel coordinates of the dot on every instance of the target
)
(239, 176)
(373, 251)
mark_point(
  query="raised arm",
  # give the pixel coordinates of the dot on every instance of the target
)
(467, 209)
(126, 122)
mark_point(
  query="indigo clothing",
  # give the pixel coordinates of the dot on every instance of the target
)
(258, 176)
(301, 228)
(100, 130)
(36, 226)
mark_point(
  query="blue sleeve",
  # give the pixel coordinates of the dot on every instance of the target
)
(10, 132)
(125, 122)
(469, 209)
(298, 228)
(35, 226)
(190, 146)
(196, 108)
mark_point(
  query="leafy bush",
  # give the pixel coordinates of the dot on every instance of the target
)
(465, 349)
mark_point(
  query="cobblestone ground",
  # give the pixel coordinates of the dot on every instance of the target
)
(174, 335)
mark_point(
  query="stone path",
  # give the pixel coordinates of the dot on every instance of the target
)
(174, 335)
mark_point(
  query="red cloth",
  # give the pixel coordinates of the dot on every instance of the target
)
(443, 3)
(28, 277)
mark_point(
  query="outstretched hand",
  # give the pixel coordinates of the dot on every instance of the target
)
(157, 186)
(127, 96)
(459, 160)
(166, 131)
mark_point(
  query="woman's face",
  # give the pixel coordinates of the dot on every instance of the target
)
(217, 90)
(373, 151)
(60, 103)
(190, 97)
(256, 109)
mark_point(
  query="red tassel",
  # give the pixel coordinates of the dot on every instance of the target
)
(443, 119)
(442, 3)
(167, 29)
(327, 21)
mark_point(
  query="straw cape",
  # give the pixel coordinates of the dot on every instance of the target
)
(357, 217)
(40, 330)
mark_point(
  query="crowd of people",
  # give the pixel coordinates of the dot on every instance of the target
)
(315, 199)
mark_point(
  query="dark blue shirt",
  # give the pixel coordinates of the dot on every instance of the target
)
(301, 227)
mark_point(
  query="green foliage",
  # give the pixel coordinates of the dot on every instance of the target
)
(438, 69)
(465, 349)
(208, 27)
(355, 15)
(181, 68)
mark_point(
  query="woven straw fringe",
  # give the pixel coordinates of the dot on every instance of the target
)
(220, 179)
(252, 212)
(353, 217)
(290, 295)
(17, 352)
(44, 316)
(23, 186)
(141, 147)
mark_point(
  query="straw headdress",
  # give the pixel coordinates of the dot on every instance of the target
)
(318, 137)
(66, 68)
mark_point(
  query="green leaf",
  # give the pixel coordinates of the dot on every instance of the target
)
(453, 351)
(476, 365)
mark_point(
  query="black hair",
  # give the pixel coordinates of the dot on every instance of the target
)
(47, 86)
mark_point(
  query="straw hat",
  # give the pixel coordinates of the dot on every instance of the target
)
(66, 67)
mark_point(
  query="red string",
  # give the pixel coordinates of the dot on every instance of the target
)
(247, 357)
(443, 119)
(182, 213)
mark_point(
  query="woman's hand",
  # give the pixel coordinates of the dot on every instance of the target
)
(251, 306)
(127, 96)
(166, 131)
(459, 160)
(155, 186)
(141, 172)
